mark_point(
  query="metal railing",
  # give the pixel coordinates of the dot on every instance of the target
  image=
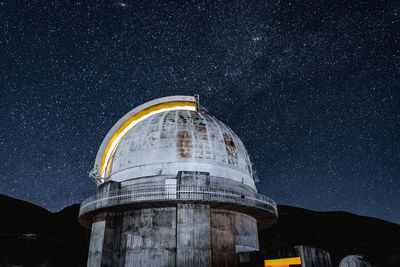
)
(176, 193)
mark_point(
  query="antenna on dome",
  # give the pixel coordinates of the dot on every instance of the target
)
(197, 97)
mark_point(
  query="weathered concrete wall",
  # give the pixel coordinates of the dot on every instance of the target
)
(184, 235)
(193, 178)
(148, 237)
(103, 189)
(104, 245)
(313, 257)
(111, 243)
(97, 240)
(229, 230)
(193, 235)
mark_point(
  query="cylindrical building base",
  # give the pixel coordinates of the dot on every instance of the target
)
(184, 235)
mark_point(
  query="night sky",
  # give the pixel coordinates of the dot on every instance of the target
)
(311, 87)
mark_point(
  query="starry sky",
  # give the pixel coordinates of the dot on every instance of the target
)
(311, 87)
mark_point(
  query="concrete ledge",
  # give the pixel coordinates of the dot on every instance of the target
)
(255, 205)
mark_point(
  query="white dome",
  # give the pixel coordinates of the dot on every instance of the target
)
(167, 135)
(354, 261)
(181, 140)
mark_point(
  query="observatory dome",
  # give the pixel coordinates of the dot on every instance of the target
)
(180, 140)
(354, 261)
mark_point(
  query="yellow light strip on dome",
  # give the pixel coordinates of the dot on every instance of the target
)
(143, 114)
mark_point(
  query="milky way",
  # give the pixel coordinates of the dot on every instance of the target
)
(311, 87)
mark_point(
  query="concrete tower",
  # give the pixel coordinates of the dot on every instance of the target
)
(175, 187)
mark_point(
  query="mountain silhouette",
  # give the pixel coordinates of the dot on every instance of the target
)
(339, 233)
(33, 236)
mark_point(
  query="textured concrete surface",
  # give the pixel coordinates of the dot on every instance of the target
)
(228, 230)
(111, 243)
(193, 235)
(193, 178)
(182, 234)
(310, 256)
(96, 240)
(149, 237)
(313, 257)
(185, 235)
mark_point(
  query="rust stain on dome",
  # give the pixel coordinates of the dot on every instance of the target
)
(248, 164)
(176, 137)
(230, 147)
(182, 117)
(200, 128)
(184, 144)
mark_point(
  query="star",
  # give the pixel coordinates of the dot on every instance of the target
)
(311, 90)
(122, 4)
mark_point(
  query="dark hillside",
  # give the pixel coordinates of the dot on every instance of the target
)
(33, 236)
(340, 233)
